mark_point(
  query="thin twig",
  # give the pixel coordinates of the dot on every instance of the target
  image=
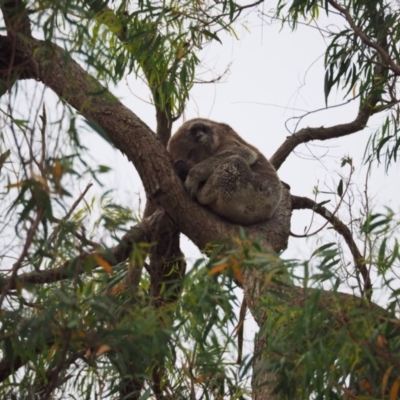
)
(333, 213)
(71, 210)
(29, 239)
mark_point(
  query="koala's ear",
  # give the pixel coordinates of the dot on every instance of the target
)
(181, 169)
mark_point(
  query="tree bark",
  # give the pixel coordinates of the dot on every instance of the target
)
(134, 139)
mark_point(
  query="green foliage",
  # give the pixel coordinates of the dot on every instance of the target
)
(329, 347)
(74, 322)
(156, 40)
(384, 144)
(349, 58)
(359, 58)
(332, 344)
(95, 323)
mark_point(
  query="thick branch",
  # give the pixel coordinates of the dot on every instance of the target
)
(17, 25)
(52, 66)
(300, 203)
(131, 136)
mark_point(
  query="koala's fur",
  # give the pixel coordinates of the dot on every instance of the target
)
(225, 173)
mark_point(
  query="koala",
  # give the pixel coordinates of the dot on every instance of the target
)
(223, 172)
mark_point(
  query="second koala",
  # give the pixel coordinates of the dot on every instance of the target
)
(225, 173)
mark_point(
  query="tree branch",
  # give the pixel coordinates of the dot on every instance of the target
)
(308, 134)
(366, 109)
(10, 283)
(119, 253)
(301, 203)
(53, 66)
(55, 232)
(16, 17)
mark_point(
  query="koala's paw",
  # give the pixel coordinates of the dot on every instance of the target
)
(182, 170)
(192, 186)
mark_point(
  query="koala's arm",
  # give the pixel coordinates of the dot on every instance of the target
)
(201, 172)
(248, 155)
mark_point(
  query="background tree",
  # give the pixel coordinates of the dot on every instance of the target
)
(92, 308)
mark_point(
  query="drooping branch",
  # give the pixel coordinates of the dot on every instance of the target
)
(117, 24)
(301, 203)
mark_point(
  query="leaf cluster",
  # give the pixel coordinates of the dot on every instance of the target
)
(332, 345)
(155, 40)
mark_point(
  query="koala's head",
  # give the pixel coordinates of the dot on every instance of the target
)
(195, 141)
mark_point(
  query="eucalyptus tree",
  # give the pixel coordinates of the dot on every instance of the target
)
(116, 314)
